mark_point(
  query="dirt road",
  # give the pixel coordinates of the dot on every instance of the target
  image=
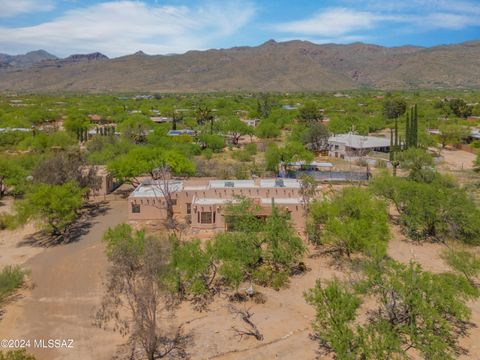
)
(68, 287)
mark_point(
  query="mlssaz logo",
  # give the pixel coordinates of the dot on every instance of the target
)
(54, 343)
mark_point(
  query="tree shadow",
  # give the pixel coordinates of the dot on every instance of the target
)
(73, 233)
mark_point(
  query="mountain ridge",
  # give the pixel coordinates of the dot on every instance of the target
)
(272, 66)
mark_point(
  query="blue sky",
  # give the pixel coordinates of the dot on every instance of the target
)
(117, 28)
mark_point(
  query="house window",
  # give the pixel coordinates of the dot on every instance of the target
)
(206, 217)
(136, 208)
(174, 201)
(189, 208)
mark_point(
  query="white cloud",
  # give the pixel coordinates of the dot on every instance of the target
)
(357, 20)
(10, 8)
(119, 28)
(333, 22)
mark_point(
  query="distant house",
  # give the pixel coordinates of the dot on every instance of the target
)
(474, 135)
(353, 145)
(161, 119)
(7, 130)
(251, 122)
(181, 132)
(106, 182)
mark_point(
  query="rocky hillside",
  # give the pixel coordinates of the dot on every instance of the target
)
(24, 61)
(287, 66)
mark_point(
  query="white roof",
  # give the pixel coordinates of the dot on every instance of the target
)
(281, 201)
(14, 129)
(313, 163)
(263, 201)
(154, 188)
(220, 184)
(475, 133)
(287, 183)
(359, 141)
(212, 201)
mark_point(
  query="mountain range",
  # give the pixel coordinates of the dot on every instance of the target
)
(273, 66)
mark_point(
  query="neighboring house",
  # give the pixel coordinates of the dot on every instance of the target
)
(6, 130)
(161, 119)
(181, 132)
(352, 145)
(251, 122)
(107, 182)
(202, 202)
(474, 135)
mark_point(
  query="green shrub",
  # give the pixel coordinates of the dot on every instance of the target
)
(207, 153)
(16, 355)
(11, 278)
(251, 149)
(381, 164)
(8, 221)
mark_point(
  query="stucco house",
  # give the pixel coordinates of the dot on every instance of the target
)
(202, 202)
(353, 145)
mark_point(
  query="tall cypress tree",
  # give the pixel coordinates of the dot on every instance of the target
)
(407, 131)
(415, 126)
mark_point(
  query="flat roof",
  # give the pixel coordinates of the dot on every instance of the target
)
(359, 141)
(212, 201)
(263, 201)
(281, 201)
(154, 188)
(221, 184)
(280, 183)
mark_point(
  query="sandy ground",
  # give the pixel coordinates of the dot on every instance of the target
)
(68, 286)
(12, 249)
(67, 282)
(458, 159)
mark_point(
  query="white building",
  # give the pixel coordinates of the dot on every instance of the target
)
(352, 145)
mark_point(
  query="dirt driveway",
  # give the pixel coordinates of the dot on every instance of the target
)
(67, 287)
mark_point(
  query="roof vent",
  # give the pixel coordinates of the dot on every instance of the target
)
(229, 184)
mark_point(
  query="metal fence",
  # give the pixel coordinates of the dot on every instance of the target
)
(331, 176)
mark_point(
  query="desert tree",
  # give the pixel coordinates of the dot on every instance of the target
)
(137, 265)
(264, 105)
(62, 167)
(236, 128)
(310, 113)
(144, 160)
(452, 134)
(352, 221)
(308, 191)
(204, 115)
(437, 210)
(416, 310)
(136, 128)
(460, 108)
(463, 262)
(164, 188)
(56, 207)
(394, 108)
(316, 136)
(11, 174)
(419, 163)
